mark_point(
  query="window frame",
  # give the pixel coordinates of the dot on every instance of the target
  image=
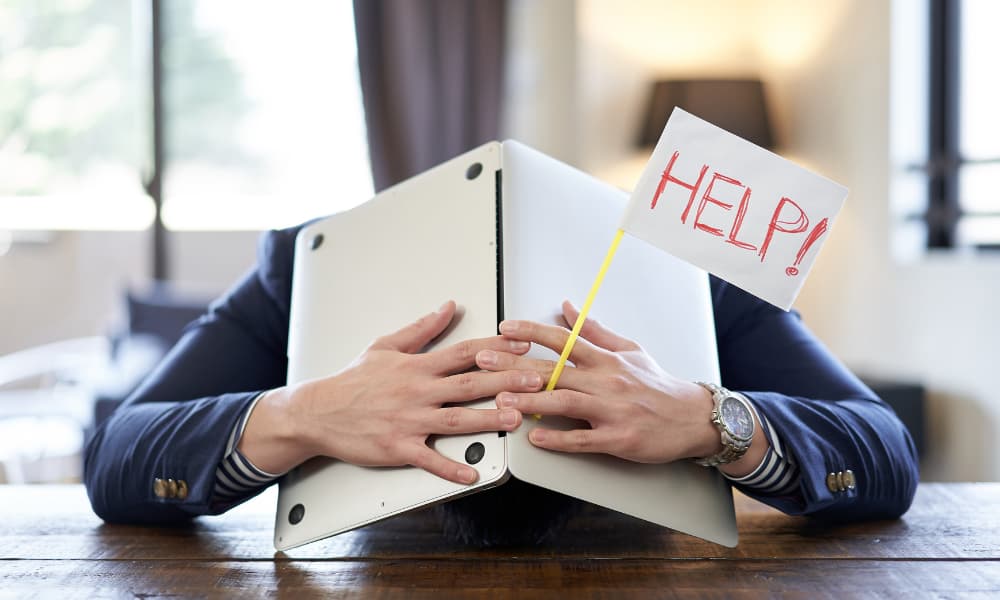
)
(154, 182)
(945, 161)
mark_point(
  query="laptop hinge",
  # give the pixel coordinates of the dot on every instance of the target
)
(499, 249)
(499, 243)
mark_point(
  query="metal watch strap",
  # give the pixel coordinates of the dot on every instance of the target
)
(733, 448)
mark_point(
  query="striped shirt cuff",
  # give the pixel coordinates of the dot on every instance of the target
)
(777, 474)
(236, 477)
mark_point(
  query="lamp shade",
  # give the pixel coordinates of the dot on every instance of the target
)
(736, 105)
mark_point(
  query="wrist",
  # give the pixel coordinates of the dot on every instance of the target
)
(272, 439)
(751, 460)
(706, 440)
(734, 419)
(754, 455)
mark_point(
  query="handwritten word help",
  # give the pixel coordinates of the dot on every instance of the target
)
(782, 219)
(732, 208)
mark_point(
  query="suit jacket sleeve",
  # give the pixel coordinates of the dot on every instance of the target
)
(177, 424)
(828, 420)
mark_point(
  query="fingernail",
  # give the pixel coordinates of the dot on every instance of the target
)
(442, 308)
(508, 327)
(518, 346)
(508, 417)
(531, 380)
(507, 400)
(467, 475)
(488, 357)
(538, 435)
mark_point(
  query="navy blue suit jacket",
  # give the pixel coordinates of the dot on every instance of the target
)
(177, 424)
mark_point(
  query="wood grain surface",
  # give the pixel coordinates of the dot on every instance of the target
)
(947, 545)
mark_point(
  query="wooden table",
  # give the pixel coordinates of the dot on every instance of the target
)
(948, 545)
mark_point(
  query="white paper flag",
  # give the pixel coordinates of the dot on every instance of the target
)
(732, 208)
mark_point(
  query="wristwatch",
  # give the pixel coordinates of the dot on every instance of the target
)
(733, 417)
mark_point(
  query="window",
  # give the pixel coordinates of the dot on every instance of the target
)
(263, 115)
(262, 123)
(70, 148)
(978, 170)
(958, 165)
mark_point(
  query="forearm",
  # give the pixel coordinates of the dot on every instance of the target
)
(828, 421)
(143, 442)
(824, 436)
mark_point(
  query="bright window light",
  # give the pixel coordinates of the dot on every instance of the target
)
(265, 126)
(263, 121)
(70, 134)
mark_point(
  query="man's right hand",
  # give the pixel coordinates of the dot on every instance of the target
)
(380, 410)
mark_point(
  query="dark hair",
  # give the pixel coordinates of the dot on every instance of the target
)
(513, 514)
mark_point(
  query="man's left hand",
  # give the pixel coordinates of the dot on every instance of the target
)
(636, 410)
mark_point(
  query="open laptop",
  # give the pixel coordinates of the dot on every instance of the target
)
(507, 232)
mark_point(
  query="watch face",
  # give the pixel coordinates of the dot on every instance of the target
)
(737, 418)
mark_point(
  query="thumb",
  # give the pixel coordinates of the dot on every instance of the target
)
(416, 335)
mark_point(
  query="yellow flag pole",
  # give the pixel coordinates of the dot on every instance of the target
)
(584, 310)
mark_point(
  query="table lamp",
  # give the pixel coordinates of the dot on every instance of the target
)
(736, 105)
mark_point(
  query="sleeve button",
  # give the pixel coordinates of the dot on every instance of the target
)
(831, 482)
(171, 488)
(182, 489)
(849, 480)
(159, 488)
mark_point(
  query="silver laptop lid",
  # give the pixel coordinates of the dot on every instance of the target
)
(558, 223)
(363, 274)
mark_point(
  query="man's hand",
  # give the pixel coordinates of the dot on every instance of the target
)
(636, 410)
(380, 410)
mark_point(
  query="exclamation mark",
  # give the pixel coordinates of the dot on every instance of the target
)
(814, 235)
